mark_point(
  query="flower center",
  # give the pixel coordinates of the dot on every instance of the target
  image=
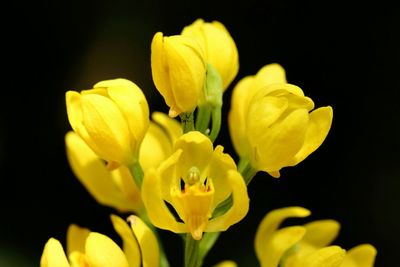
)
(194, 202)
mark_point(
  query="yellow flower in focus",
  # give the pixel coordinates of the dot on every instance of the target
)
(117, 188)
(219, 47)
(194, 180)
(272, 123)
(112, 118)
(91, 249)
(305, 246)
(178, 69)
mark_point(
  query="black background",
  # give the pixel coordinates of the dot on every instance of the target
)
(341, 54)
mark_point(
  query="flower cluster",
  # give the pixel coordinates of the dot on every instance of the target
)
(173, 176)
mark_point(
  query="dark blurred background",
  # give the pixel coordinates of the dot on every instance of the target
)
(341, 54)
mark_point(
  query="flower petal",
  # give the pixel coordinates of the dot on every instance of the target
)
(159, 69)
(107, 128)
(276, 148)
(133, 105)
(171, 126)
(332, 256)
(237, 116)
(187, 70)
(269, 74)
(102, 251)
(270, 224)
(321, 233)
(318, 127)
(226, 264)
(155, 148)
(93, 174)
(157, 211)
(279, 242)
(53, 255)
(129, 243)
(147, 241)
(76, 238)
(197, 151)
(240, 204)
(360, 256)
(219, 166)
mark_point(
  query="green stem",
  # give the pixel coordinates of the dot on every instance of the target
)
(203, 117)
(216, 123)
(187, 121)
(191, 251)
(137, 173)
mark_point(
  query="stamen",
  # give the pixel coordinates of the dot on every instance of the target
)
(193, 175)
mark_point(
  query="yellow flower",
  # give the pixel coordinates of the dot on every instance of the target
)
(272, 123)
(85, 248)
(112, 118)
(305, 246)
(117, 188)
(194, 180)
(219, 47)
(178, 69)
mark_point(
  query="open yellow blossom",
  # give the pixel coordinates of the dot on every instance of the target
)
(179, 70)
(272, 123)
(193, 181)
(116, 188)
(304, 246)
(112, 118)
(219, 47)
(91, 249)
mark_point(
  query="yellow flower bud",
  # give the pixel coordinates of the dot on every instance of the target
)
(117, 188)
(272, 123)
(112, 118)
(219, 47)
(86, 248)
(305, 245)
(178, 69)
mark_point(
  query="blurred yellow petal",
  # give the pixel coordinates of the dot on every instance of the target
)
(156, 208)
(130, 245)
(53, 255)
(321, 233)
(237, 116)
(270, 224)
(171, 126)
(156, 147)
(147, 241)
(240, 204)
(100, 182)
(226, 264)
(318, 127)
(281, 142)
(360, 256)
(129, 191)
(332, 256)
(102, 251)
(279, 242)
(76, 238)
